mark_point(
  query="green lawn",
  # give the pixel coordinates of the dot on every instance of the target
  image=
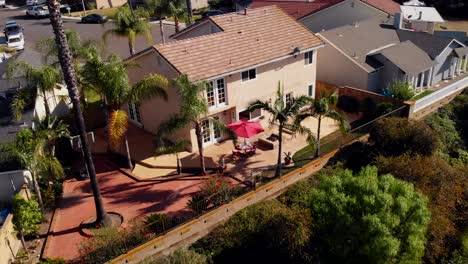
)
(421, 95)
(109, 12)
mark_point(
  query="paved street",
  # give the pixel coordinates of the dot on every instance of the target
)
(35, 29)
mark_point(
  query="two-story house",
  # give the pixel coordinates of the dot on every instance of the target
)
(370, 55)
(318, 15)
(242, 56)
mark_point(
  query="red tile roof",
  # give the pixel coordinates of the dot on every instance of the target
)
(259, 36)
(299, 9)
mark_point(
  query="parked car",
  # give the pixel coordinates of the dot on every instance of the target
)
(35, 2)
(212, 13)
(2, 3)
(37, 11)
(94, 18)
(12, 28)
(15, 41)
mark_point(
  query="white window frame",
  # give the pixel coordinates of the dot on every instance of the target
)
(214, 85)
(286, 95)
(309, 57)
(250, 115)
(248, 73)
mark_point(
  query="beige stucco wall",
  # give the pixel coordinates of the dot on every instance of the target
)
(335, 68)
(197, 4)
(109, 3)
(204, 28)
(291, 72)
(155, 110)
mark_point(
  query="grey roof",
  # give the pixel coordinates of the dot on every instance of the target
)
(461, 51)
(361, 40)
(405, 54)
(431, 44)
(368, 38)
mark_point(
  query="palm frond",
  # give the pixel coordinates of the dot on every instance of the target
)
(117, 127)
(339, 117)
(50, 166)
(171, 147)
(170, 126)
(152, 85)
(19, 102)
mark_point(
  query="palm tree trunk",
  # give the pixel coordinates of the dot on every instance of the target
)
(189, 11)
(46, 103)
(280, 149)
(131, 47)
(176, 24)
(317, 151)
(37, 190)
(127, 149)
(66, 62)
(198, 132)
(161, 28)
(23, 242)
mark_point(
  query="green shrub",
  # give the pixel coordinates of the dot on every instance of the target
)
(54, 261)
(198, 204)
(400, 90)
(180, 256)
(446, 128)
(266, 232)
(158, 223)
(108, 243)
(217, 190)
(27, 216)
(395, 136)
(369, 218)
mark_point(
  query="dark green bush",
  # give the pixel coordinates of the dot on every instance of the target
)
(198, 204)
(158, 223)
(266, 232)
(395, 136)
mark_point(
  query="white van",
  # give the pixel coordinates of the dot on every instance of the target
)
(15, 41)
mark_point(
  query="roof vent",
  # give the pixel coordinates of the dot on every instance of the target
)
(245, 11)
(355, 55)
(340, 35)
(239, 32)
(356, 24)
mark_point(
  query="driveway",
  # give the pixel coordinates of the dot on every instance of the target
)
(36, 29)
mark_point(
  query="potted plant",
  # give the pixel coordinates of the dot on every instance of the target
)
(287, 158)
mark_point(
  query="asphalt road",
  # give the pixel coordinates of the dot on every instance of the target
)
(36, 29)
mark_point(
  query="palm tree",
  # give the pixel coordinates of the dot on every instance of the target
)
(193, 110)
(159, 8)
(46, 78)
(188, 3)
(29, 149)
(20, 101)
(110, 79)
(66, 62)
(178, 12)
(280, 111)
(80, 50)
(130, 25)
(51, 129)
(320, 108)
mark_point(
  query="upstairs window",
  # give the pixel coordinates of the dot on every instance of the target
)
(311, 90)
(216, 93)
(249, 75)
(309, 57)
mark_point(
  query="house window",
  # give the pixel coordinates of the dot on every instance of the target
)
(249, 75)
(308, 57)
(311, 90)
(246, 115)
(216, 93)
(288, 97)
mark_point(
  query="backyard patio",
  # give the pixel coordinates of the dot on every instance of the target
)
(149, 167)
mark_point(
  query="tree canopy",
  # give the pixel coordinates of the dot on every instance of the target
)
(369, 218)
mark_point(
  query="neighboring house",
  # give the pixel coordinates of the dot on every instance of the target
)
(243, 56)
(370, 55)
(421, 18)
(319, 15)
(59, 103)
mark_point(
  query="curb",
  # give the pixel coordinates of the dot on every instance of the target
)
(165, 22)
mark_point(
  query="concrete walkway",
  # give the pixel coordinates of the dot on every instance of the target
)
(120, 194)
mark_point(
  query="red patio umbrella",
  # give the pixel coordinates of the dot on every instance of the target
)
(246, 129)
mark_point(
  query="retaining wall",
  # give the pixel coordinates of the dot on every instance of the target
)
(201, 226)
